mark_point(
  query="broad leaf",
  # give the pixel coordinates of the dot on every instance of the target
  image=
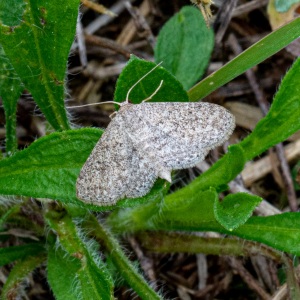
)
(196, 213)
(184, 45)
(49, 167)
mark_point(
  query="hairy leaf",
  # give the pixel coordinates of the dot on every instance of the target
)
(171, 90)
(38, 49)
(235, 209)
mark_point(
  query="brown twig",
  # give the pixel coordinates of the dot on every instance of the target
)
(141, 24)
(249, 6)
(248, 278)
(146, 262)
(223, 19)
(81, 43)
(101, 9)
(107, 43)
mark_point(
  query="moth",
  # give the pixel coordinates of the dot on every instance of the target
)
(149, 140)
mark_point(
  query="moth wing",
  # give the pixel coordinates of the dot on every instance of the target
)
(114, 169)
(177, 135)
(143, 176)
(104, 177)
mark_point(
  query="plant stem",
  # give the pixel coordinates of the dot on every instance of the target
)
(128, 271)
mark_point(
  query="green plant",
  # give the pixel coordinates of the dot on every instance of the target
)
(34, 52)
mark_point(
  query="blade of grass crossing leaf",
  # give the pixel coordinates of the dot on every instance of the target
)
(257, 53)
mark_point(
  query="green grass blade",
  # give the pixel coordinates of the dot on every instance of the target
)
(254, 55)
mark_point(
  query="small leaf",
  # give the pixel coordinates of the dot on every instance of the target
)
(10, 254)
(171, 90)
(284, 5)
(184, 45)
(6, 214)
(10, 91)
(235, 209)
(38, 49)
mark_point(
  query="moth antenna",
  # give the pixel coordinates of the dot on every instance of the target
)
(155, 92)
(92, 104)
(129, 91)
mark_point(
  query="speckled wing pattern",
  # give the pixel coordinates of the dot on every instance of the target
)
(146, 141)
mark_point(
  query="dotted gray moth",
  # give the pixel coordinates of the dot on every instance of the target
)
(149, 140)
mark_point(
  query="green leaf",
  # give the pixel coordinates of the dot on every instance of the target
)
(184, 45)
(281, 232)
(38, 49)
(10, 254)
(19, 272)
(94, 280)
(257, 53)
(49, 167)
(284, 5)
(235, 209)
(196, 213)
(222, 172)
(10, 91)
(61, 271)
(171, 90)
(282, 119)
